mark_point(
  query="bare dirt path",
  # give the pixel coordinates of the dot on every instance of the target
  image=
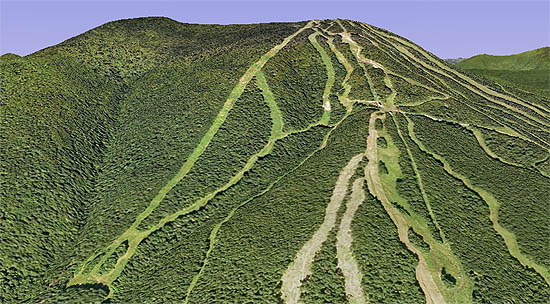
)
(300, 268)
(423, 275)
(346, 261)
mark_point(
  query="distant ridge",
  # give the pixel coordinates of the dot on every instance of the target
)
(538, 59)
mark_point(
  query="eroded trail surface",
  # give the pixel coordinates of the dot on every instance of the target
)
(301, 266)
(346, 261)
(423, 275)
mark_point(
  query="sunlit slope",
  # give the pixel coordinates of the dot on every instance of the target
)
(150, 161)
(529, 71)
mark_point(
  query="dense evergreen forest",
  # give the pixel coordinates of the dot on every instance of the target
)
(328, 161)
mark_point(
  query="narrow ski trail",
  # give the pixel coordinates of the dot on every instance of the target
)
(434, 72)
(330, 75)
(276, 134)
(440, 253)
(300, 268)
(423, 274)
(493, 204)
(470, 83)
(346, 262)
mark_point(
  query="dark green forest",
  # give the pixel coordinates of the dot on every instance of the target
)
(153, 161)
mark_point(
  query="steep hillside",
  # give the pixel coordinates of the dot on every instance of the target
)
(151, 161)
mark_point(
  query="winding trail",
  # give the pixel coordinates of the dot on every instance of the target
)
(440, 253)
(277, 134)
(470, 83)
(356, 50)
(504, 130)
(419, 180)
(343, 98)
(423, 275)
(493, 204)
(276, 115)
(300, 268)
(539, 109)
(481, 141)
(432, 71)
(346, 262)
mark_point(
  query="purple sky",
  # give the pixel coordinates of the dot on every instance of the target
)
(447, 28)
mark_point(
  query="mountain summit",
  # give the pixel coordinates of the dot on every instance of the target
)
(328, 161)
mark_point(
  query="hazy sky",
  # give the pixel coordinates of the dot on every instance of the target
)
(447, 28)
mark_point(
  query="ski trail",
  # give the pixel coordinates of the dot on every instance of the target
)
(276, 115)
(493, 204)
(346, 261)
(481, 141)
(419, 181)
(328, 65)
(470, 83)
(343, 98)
(432, 71)
(504, 130)
(439, 254)
(213, 233)
(300, 268)
(330, 75)
(132, 234)
(423, 275)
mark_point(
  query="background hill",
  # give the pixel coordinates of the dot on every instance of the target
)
(528, 70)
(152, 161)
(538, 59)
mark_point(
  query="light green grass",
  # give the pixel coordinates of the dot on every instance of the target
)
(439, 255)
(509, 237)
(330, 76)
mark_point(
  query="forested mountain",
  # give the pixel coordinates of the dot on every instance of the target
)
(328, 161)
